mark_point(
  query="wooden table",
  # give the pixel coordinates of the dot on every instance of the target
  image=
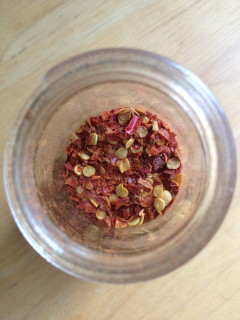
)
(204, 36)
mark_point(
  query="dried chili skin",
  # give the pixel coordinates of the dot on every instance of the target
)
(123, 152)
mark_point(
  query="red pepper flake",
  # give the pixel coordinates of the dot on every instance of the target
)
(121, 223)
(153, 159)
(158, 163)
(133, 125)
(147, 185)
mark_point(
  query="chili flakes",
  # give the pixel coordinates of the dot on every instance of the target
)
(123, 167)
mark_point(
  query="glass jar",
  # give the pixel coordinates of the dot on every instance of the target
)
(84, 86)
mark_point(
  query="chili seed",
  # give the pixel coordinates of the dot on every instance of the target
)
(150, 180)
(155, 127)
(89, 171)
(145, 120)
(124, 165)
(140, 141)
(142, 216)
(124, 110)
(140, 108)
(141, 220)
(178, 178)
(113, 197)
(77, 170)
(167, 197)
(89, 186)
(108, 202)
(144, 194)
(136, 150)
(124, 116)
(159, 204)
(93, 139)
(134, 222)
(102, 170)
(173, 163)
(156, 178)
(158, 191)
(121, 191)
(79, 189)
(93, 202)
(141, 132)
(83, 155)
(160, 142)
(112, 142)
(129, 143)
(100, 214)
(121, 153)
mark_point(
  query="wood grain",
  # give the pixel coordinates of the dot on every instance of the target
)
(204, 36)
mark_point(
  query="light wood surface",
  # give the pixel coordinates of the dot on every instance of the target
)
(204, 36)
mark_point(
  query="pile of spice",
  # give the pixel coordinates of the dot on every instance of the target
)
(123, 167)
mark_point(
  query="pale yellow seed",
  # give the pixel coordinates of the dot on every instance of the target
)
(141, 132)
(93, 139)
(158, 191)
(155, 127)
(123, 110)
(124, 116)
(145, 120)
(150, 180)
(178, 178)
(124, 165)
(140, 141)
(112, 142)
(160, 142)
(100, 214)
(93, 202)
(83, 155)
(79, 189)
(156, 178)
(167, 197)
(134, 222)
(173, 163)
(140, 108)
(113, 197)
(77, 170)
(159, 204)
(141, 220)
(89, 171)
(136, 150)
(142, 216)
(121, 191)
(129, 143)
(121, 153)
(102, 170)
(89, 185)
(144, 194)
(108, 202)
